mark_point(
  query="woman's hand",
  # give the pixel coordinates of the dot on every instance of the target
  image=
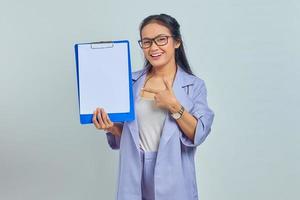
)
(165, 98)
(101, 121)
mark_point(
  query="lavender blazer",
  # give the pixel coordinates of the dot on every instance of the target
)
(174, 175)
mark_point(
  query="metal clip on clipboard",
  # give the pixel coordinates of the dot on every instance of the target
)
(102, 45)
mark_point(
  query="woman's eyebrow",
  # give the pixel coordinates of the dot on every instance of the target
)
(148, 38)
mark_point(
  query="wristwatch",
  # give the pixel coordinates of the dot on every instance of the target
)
(178, 114)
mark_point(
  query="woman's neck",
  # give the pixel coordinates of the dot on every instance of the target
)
(166, 71)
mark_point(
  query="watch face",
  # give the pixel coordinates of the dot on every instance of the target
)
(176, 115)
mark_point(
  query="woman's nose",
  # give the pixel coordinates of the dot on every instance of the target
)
(153, 46)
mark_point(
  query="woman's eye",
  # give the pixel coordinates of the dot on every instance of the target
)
(162, 39)
(146, 42)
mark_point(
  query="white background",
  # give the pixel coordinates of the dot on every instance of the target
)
(246, 51)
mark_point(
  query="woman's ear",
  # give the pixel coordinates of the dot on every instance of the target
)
(177, 44)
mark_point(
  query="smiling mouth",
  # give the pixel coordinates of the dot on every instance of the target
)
(156, 55)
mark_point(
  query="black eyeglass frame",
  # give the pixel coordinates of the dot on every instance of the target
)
(154, 40)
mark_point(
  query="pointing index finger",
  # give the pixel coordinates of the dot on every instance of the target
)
(151, 90)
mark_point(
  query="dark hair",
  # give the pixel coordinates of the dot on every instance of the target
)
(174, 27)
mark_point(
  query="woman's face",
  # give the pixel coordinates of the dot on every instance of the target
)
(159, 56)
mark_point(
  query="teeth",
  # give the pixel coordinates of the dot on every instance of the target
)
(154, 55)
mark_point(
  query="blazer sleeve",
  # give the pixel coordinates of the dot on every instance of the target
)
(113, 141)
(201, 112)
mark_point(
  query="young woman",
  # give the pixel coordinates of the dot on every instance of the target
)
(172, 118)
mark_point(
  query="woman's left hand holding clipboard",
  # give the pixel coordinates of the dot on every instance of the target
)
(101, 121)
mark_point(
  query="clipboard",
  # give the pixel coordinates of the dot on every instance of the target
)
(104, 80)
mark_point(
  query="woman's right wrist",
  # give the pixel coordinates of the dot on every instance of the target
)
(117, 129)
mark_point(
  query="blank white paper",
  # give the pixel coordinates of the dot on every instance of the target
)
(103, 78)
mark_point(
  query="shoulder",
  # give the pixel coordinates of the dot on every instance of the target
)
(195, 85)
(193, 80)
(137, 74)
(198, 82)
(198, 88)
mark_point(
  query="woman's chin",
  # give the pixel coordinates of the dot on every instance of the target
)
(156, 64)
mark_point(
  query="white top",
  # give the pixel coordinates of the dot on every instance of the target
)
(150, 121)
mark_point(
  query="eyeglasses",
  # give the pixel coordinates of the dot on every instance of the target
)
(159, 40)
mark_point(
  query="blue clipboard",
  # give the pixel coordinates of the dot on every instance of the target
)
(104, 80)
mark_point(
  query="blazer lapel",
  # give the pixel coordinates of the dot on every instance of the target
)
(181, 81)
